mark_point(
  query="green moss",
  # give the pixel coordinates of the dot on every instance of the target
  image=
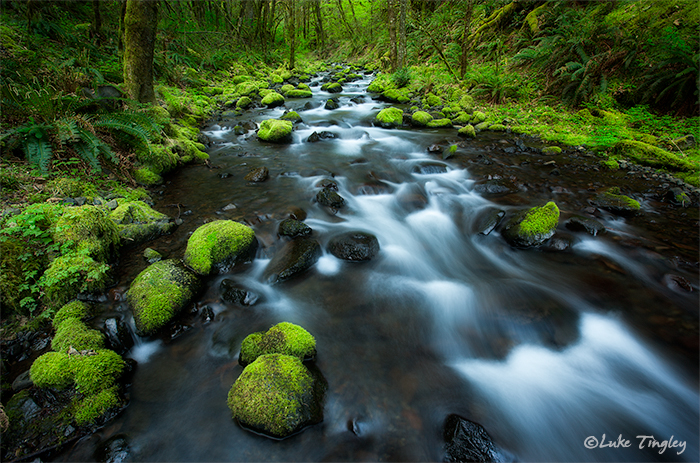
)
(482, 126)
(610, 164)
(75, 309)
(395, 96)
(88, 229)
(381, 83)
(291, 116)
(72, 274)
(94, 373)
(303, 86)
(158, 158)
(275, 131)
(551, 150)
(218, 243)
(466, 102)
(283, 338)
(440, 123)
(332, 87)
(273, 99)
(286, 88)
(462, 118)
(467, 131)
(145, 176)
(433, 100)
(478, 117)
(653, 156)
(276, 78)
(92, 407)
(52, 370)
(540, 220)
(616, 202)
(72, 332)
(250, 88)
(243, 102)
(390, 117)
(138, 222)
(299, 94)
(159, 293)
(71, 188)
(421, 118)
(498, 128)
(273, 395)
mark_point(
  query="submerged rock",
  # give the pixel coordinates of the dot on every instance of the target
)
(283, 338)
(159, 293)
(258, 175)
(219, 244)
(294, 258)
(277, 395)
(468, 441)
(354, 246)
(532, 227)
(585, 224)
(231, 292)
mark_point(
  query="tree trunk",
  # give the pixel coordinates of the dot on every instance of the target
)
(120, 39)
(401, 51)
(320, 34)
(140, 23)
(466, 42)
(391, 15)
(291, 31)
(97, 22)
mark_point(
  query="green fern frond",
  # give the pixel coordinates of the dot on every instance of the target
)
(39, 152)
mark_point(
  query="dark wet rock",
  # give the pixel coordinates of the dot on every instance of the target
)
(326, 135)
(429, 168)
(435, 149)
(311, 105)
(21, 382)
(117, 335)
(249, 125)
(258, 175)
(618, 204)
(239, 130)
(677, 196)
(293, 258)
(296, 213)
(354, 246)
(313, 138)
(294, 228)
(468, 441)
(224, 175)
(674, 282)
(532, 227)
(559, 242)
(358, 100)
(327, 183)
(114, 450)
(330, 198)
(331, 104)
(206, 314)
(585, 224)
(151, 255)
(233, 293)
(496, 186)
(488, 221)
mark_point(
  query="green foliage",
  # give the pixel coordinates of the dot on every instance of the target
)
(89, 231)
(401, 77)
(70, 275)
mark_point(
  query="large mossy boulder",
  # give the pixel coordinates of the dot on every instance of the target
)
(272, 100)
(218, 245)
(295, 257)
(275, 131)
(88, 230)
(356, 246)
(277, 395)
(283, 338)
(650, 155)
(138, 222)
(420, 118)
(390, 117)
(617, 203)
(332, 87)
(159, 293)
(532, 227)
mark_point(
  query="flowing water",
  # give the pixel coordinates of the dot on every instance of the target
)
(543, 349)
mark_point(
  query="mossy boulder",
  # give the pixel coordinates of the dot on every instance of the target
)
(440, 123)
(478, 117)
(291, 116)
(498, 128)
(218, 245)
(52, 370)
(88, 230)
(159, 293)
(532, 227)
(286, 88)
(272, 100)
(551, 150)
(275, 131)
(433, 100)
(73, 333)
(283, 338)
(394, 95)
(390, 117)
(299, 93)
(462, 118)
(467, 131)
(96, 371)
(420, 118)
(650, 155)
(332, 87)
(138, 222)
(244, 102)
(617, 203)
(74, 309)
(482, 126)
(71, 275)
(277, 395)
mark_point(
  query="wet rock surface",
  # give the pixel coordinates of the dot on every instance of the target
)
(292, 259)
(354, 246)
(468, 441)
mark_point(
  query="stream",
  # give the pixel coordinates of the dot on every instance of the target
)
(557, 354)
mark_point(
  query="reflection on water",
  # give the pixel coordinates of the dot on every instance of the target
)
(443, 320)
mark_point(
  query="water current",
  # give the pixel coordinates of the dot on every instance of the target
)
(543, 349)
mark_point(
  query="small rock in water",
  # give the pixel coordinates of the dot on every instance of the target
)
(468, 441)
(258, 175)
(327, 183)
(313, 138)
(151, 255)
(331, 104)
(206, 314)
(294, 228)
(590, 226)
(230, 292)
(354, 246)
(294, 258)
(326, 135)
(114, 450)
(229, 207)
(330, 198)
(489, 221)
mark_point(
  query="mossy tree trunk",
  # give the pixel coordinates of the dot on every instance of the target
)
(466, 32)
(320, 34)
(401, 50)
(140, 23)
(291, 31)
(391, 17)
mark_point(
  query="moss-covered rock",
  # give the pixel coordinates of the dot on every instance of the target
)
(71, 275)
(394, 95)
(390, 117)
(299, 93)
(145, 176)
(433, 100)
(283, 338)
(88, 230)
(138, 222)
(244, 102)
(73, 333)
(482, 126)
(286, 88)
(159, 293)
(332, 87)
(420, 118)
(462, 118)
(272, 100)
(92, 407)
(96, 371)
(498, 128)
(533, 227)
(275, 131)
(291, 116)
(219, 244)
(617, 203)
(478, 117)
(440, 123)
(277, 396)
(649, 155)
(52, 370)
(467, 131)
(551, 150)
(74, 309)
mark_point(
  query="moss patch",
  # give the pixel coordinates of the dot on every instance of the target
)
(299, 93)
(650, 155)
(75, 309)
(420, 118)
(73, 333)
(467, 131)
(273, 99)
(532, 227)
(390, 117)
(218, 244)
(440, 123)
(52, 370)
(617, 203)
(275, 131)
(88, 229)
(283, 338)
(73, 274)
(138, 222)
